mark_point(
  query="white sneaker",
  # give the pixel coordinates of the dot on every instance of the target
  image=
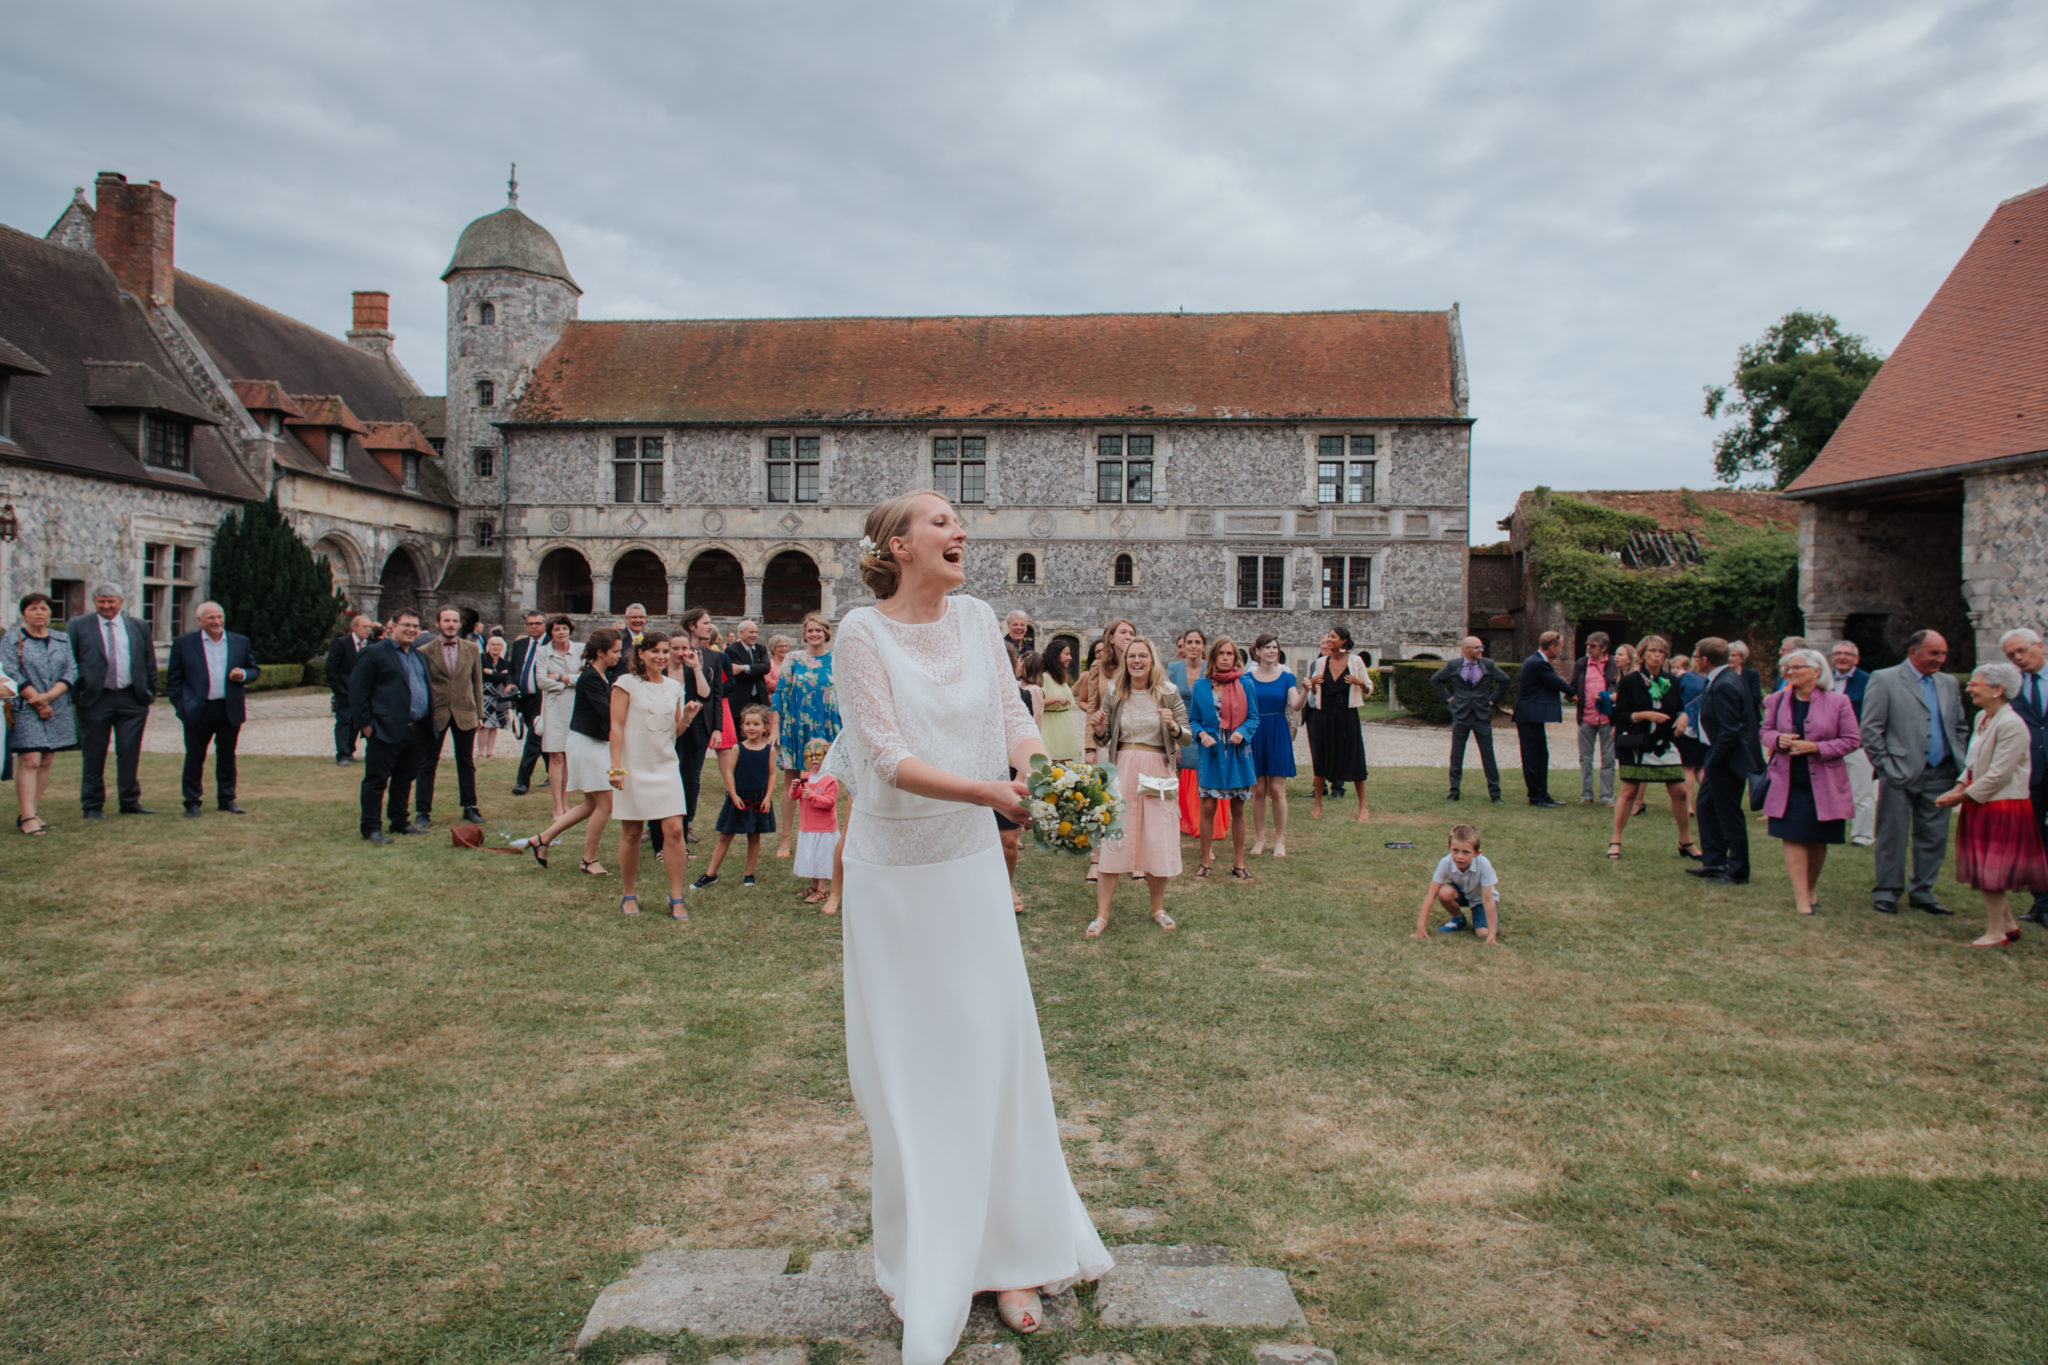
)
(1863, 841)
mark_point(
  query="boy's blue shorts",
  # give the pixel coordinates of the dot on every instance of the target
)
(1476, 914)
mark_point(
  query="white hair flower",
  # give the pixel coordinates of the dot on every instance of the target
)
(868, 547)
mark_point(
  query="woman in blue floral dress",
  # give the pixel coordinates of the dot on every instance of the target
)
(804, 710)
(42, 671)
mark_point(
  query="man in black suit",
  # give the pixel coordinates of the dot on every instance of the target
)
(207, 681)
(1471, 685)
(1728, 726)
(697, 734)
(1536, 705)
(524, 661)
(750, 665)
(391, 707)
(341, 663)
(116, 684)
(2024, 650)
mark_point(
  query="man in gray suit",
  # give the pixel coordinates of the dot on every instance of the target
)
(1913, 732)
(1471, 686)
(116, 684)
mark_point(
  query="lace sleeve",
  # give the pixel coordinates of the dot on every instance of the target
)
(1018, 727)
(867, 704)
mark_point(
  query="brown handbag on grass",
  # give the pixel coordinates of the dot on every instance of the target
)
(472, 836)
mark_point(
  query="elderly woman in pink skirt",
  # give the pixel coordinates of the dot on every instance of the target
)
(1998, 847)
(1143, 719)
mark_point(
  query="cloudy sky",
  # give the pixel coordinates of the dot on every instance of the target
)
(1618, 194)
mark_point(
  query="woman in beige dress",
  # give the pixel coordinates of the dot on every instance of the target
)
(1141, 727)
(649, 713)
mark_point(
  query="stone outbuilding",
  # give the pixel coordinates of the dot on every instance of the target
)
(139, 404)
(1929, 507)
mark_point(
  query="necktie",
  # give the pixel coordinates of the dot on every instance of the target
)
(526, 668)
(114, 678)
(1937, 746)
(2034, 691)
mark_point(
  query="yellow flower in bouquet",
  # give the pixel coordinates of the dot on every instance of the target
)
(1072, 806)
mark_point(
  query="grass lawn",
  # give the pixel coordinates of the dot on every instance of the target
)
(270, 1095)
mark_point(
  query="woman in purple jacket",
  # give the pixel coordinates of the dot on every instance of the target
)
(1809, 728)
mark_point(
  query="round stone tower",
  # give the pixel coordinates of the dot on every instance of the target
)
(510, 295)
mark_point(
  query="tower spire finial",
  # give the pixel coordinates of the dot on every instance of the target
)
(512, 187)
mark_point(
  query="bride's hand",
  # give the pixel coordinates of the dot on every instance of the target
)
(1007, 800)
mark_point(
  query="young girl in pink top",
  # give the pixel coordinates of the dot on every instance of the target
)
(817, 799)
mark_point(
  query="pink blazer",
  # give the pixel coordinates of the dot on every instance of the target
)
(1830, 723)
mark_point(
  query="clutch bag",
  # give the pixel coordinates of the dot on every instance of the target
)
(1165, 788)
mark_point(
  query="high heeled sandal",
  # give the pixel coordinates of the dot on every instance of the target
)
(622, 905)
(1689, 850)
(1202, 870)
(1021, 1318)
(539, 848)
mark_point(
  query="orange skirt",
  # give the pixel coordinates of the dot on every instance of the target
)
(1191, 809)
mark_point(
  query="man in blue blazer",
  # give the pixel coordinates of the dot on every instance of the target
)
(209, 674)
(1536, 705)
(116, 683)
(2024, 650)
(1730, 730)
(391, 706)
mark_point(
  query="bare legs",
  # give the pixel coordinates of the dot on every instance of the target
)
(1209, 832)
(1012, 841)
(558, 783)
(31, 775)
(1105, 892)
(672, 841)
(486, 741)
(596, 807)
(1364, 813)
(787, 828)
(1999, 925)
(1802, 865)
(1632, 795)
(1273, 789)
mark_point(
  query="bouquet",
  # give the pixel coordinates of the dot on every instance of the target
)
(1074, 806)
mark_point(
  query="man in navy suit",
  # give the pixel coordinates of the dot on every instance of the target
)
(524, 660)
(209, 674)
(116, 684)
(2023, 649)
(391, 706)
(1536, 705)
(1728, 722)
(341, 664)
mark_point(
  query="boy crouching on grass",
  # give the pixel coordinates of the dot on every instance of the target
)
(1465, 884)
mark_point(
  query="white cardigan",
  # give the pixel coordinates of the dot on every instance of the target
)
(1354, 669)
(1999, 763)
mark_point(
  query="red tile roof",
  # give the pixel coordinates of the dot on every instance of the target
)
(1969, 382)
(325, 410)
(1684, 509)
(402, 436)
(263, 395)
(1131, 366)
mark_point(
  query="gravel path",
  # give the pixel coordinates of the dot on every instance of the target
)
(300, 724)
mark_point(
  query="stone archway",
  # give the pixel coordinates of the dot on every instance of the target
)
(641, 577)
(562, 587)
(790, 588)
(399, 585)
(341, 567)
(716, 584)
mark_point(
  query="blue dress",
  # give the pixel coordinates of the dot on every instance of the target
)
(1273, 745)
(1223, 769)
(804, 707)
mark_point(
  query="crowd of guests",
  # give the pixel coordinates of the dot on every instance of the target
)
(1834, 754)
(1201, 742)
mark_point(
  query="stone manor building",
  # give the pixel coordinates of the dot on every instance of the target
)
(1244, 472)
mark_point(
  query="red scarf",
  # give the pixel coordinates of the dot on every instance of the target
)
(1231, 706)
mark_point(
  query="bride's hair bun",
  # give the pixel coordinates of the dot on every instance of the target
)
(887, 521)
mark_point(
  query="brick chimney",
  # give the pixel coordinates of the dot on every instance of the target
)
(133, 231)
(372, 330)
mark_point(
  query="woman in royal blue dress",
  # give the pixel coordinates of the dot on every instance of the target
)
(805, 709)
(1276, 695)
(1225, 724)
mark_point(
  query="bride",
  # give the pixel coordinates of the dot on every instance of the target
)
(971, 1190)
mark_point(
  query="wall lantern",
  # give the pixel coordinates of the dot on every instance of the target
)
(9, 526)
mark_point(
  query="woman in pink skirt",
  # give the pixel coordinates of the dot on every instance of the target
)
(1998, 847)
(1143, 719)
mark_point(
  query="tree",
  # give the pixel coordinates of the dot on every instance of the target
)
(1795, 386)
(272, 586)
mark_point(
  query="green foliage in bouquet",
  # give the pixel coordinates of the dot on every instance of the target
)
(1074, 806)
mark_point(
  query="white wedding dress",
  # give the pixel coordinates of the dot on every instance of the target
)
(971, 1190)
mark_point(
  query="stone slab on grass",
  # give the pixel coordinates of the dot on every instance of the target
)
(1197, 1296)
(1292, 1353)
(739, 1306)
(713, 1264)
(1099, 1360)
(783, 1355)
(989, 1353)
(858, 1264)
(1147, 1255)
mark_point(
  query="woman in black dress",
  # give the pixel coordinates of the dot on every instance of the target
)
(1336, 744)
(497, 683)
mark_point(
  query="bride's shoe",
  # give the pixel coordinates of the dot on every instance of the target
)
(1022, 1316)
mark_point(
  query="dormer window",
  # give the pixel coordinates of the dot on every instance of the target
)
(486, 393)
(337, 452)
(167, 442)
(411, 481)
(486, 315)
(6, 408)
(273, 423)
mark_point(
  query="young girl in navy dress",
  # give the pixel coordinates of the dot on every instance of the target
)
(749, 770)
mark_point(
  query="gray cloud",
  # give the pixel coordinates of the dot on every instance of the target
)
(1617, 194)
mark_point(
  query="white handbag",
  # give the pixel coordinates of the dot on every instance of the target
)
(1165, 788)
